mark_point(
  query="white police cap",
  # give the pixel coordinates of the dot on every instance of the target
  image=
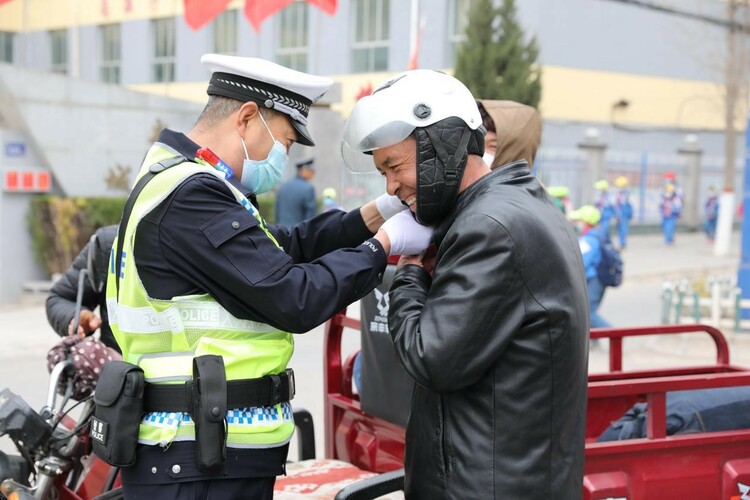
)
(282, 89)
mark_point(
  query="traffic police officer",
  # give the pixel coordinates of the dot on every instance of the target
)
(196, 271)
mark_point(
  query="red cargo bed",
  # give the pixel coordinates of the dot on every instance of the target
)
(696, 466)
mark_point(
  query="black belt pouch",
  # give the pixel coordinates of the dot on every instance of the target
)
(118, 412)
(209, 412)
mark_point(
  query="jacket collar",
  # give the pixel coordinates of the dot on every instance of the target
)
(509, 172)
(187, 148)
(179, 142)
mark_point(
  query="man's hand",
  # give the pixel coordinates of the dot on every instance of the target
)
(410, 260)
(424, 259)
(88, 324)
(402, 235)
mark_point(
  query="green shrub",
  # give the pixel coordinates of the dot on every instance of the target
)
(267, 207)
(60, 227)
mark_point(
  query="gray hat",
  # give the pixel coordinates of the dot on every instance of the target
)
(309, 163)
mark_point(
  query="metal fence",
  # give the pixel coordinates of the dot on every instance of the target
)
(644, 171)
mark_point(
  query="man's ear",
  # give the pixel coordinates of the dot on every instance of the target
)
(247, 112)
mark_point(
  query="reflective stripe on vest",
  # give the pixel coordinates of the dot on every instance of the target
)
(163, 336)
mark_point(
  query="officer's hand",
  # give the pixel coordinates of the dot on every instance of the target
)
(388, 205)
(377, 211)
(403, 235)
(88, 324)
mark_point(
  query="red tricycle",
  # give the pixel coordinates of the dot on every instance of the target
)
(704, 465)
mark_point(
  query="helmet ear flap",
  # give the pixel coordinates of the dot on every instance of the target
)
(442, 153)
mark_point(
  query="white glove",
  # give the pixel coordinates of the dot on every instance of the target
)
(388, 205)
(408, 237)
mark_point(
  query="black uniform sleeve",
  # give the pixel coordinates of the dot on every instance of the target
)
(322, 234)
(214, 243)
(61, 302)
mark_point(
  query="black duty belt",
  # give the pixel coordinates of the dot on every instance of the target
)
(264, 391)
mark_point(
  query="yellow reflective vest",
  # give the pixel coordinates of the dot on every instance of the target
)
(163, 336)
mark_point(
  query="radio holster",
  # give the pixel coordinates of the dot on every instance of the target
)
(117, 415)
(209, 412)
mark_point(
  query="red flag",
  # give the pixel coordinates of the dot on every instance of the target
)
(105, 8)
(364, 91)
(2, 2)
(256, 11)
(327, 6)
(200, 12)
(128, 6)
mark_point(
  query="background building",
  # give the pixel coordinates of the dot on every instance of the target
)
(642, 79)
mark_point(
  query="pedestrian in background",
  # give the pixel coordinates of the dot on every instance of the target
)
(329, 200)
(61, 302)
(590, 239)
(560, 196)
(519, 134)
(295, 200)
(711, 210)
(670, 207)
(603, 203)
(623, 210)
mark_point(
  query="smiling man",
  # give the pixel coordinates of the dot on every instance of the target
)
(493, 327)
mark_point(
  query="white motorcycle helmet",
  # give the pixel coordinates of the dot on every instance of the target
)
(441, 114)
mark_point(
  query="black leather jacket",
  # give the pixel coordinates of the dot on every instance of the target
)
(497, 341)
(61, 302)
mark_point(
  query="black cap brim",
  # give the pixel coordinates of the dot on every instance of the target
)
(303, 135)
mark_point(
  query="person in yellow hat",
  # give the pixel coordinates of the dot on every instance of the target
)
(329, 200)
(591, 239)
(560, 196)
(603, 203)
(623, 209)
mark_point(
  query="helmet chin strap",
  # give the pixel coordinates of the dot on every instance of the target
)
(450, 162)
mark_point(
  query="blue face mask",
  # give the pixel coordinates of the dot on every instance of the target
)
(262, 176)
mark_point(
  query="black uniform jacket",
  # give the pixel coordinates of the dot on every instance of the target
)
(61, 302)
(497, 341)
(201, 240)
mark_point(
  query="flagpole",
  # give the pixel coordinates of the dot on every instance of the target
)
(74, 49)
(24, 35)
(318, 17)
(413, 26)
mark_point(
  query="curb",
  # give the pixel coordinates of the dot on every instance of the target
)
(691, 274)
